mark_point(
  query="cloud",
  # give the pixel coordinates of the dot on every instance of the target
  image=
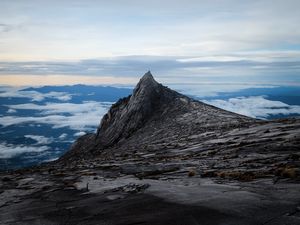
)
(34, 95)
(61, 108)
(62, 96)
(129, 65)
(91, 29)
(10, 151)
(260, 66)
(11, 111)
(255, 106)
(41, 140)
(51, 159)
(213, 89)
(63, 136)
(85, 116)
(5, 28)
(78, 134)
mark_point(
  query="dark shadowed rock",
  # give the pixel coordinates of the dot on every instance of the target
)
(131, 113)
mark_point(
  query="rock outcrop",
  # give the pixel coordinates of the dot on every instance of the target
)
(157, 113)
(129, 114)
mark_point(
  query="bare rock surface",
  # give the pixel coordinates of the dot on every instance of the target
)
(159, 157)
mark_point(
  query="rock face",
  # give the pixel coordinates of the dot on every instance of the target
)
(157, 113)
(131, 113)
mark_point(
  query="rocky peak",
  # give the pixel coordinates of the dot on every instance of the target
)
(150, 103)
(129, 114)
(154, 113)
(146, 89)
(147, 80)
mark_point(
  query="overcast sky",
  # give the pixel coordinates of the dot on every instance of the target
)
(203, 40)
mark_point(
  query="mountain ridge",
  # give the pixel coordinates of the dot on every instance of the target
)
(151, 102)
(156, 124)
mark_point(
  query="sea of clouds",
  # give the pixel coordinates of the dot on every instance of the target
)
(57, 110)
(54, 109)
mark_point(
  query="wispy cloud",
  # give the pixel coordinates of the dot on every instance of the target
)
(255, 106)
(62, 108)
(4, 28)
(63, 136)
(10, 151)
(40, 140)
(78, 134)
(92, 29)
(85, 116)
(34, 95)
(267, 66)
(135, 65)
(11, 111)
(213, 89)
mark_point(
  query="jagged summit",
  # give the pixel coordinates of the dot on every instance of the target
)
(131, 113)
(148, 77)
(146, 86)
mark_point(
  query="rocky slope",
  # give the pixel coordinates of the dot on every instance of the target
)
(158, 125)
(154, 112)
(160, 157)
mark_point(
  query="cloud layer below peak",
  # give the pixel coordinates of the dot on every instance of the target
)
(85, 116)
(255, 106)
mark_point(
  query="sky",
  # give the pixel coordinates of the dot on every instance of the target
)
(101, 42)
